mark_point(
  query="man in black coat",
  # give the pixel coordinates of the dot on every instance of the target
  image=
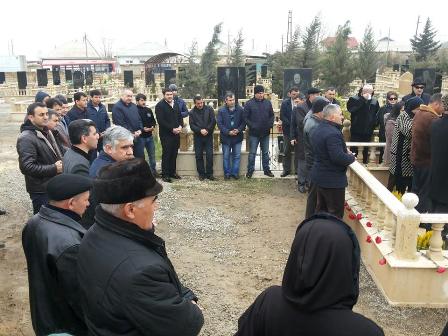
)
(149, 124)
(38, 159)
(363, 109)
(125, 114)
(202, 123)
(285, 116)
(330, 95)
(79, 110)
(128, 283)
(418, 86)
(50, 241)
(170, 125)
(331, 159)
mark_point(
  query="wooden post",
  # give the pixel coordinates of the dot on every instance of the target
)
(408, 221)
(436, 242)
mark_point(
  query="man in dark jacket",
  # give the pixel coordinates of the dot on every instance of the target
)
(51, 240)
(170, 125)
(202, 123)
(125, 113)
(128, 283)
(331, 160)
(330, 95)
(96, 111)
(65, 120)
(84, 138)
(418, 86)
(363, 109)
(297, 136)
(38, 160)
(285, 116)
(259, 117)
(438, 185)
(149, 124)
(231, 125)
(79, 110)
(179, 101)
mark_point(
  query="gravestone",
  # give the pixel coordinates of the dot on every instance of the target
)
(89, 77)
(128, 78)
(301, 78)
(2, 77)
(78, 79)
(42, 77)
(21, 80)
(231, 79)
(264, 71)
(404, 84)
(432, 80)
(68, 75)
(56, 75)
(170, 77)
(251, 74)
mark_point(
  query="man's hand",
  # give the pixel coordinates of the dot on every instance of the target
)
(148, 129)
(204, 132)
(137, 133)
(58, 166)
(293, 142)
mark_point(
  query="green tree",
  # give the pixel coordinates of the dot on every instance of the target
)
(237, 54)
(337, 62)
(367, 62)
(425, 45)
(209, 61)
(310, 42)
(191, 82)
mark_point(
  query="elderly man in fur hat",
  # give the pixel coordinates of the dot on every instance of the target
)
(129, 285)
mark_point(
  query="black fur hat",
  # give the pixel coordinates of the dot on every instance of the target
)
(124, 182)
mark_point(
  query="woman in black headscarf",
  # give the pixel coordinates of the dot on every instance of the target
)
(319, 289)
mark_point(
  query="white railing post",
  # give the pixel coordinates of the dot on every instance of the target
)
(408, 220)
(436, 242)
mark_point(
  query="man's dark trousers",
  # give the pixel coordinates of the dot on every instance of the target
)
(202, 143)
(170, 146)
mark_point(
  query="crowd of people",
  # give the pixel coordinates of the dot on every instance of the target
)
(95, 262)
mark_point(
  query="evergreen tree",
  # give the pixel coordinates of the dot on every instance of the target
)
(367, 62)
(425, 44)
(237, 54)
(310, 42)
(337, 63)
(191, 82)
(209, 61)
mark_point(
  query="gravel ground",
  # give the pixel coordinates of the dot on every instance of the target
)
(228, 240)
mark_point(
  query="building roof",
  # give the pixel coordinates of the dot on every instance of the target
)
(352, 42)
(146, 49)
(73, 49)
(387, 44)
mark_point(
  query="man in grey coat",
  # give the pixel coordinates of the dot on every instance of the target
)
(84, 137)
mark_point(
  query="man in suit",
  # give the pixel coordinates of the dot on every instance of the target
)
(285, 116)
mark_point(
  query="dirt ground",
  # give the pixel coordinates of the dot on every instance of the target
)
(227, 240)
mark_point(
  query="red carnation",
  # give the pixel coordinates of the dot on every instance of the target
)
(378, 239)
(382, 261)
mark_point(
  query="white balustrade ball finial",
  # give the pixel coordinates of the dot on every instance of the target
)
(410, 200)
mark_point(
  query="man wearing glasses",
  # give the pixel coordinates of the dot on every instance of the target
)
(418, 86)
(391, 100)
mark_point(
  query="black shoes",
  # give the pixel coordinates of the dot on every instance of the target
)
(175, 176)
(284, 174)
(302, 189)
(201, 177)
(227, 177)
(211, 178)
(235, 177)
(268, 173)
(167, 179)
(249, 174)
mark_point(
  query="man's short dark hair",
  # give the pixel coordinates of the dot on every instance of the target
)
(78, 128)
(330, 88)
(196, 98)
(52, 102)
(30, 110)
(165, 90)
(229, 94)
(61, 98)
(140, 96)
(294, 88)
(77, 96)
(51, 113)
(435, 98)
(94, 93)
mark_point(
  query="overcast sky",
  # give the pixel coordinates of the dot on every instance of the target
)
(37, 26)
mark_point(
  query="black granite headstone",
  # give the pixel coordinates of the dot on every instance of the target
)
(89, 77)
(231, 79)
(301, 78)
(128, 78)
(68, 75)
(251, 73)
(429, 76)
(170, 77)
(42, 78)
(264, 71)
(78, 79)
(56, 75)
(21, 80)
(2, 77)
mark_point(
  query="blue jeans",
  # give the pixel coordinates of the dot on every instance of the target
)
(38, 200)
(231, 166)
(148, 143)
(139, 148)
(264, 146)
